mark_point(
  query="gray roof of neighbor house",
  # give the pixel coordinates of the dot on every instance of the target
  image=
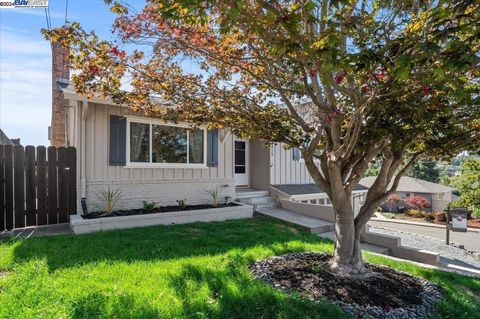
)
(301, 189)
(410, 184)
(4, 140)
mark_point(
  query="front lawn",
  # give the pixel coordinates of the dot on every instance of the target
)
(186, 271)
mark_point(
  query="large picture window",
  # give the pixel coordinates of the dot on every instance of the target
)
(160, 144)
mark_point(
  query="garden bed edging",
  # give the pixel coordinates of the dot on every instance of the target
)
(84, 226)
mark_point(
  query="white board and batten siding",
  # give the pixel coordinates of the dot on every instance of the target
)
(285, 170)
(160, 184)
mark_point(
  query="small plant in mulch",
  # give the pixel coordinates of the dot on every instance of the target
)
(387, 293)
(149, 206)
(109, 199)
(182, 204)
(214, 195)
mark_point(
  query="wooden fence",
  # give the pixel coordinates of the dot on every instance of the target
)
(37, 185)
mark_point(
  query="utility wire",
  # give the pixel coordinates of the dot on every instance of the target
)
(46, 17)
(66, 11)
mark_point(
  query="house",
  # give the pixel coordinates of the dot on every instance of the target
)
(155, 161)
(438, 195)
(4, 140)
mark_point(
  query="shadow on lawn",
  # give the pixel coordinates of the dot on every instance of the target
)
(159, 242)
(203, 292)
(230, 292)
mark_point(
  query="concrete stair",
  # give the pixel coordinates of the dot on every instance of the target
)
(256, 198)
(314, 225)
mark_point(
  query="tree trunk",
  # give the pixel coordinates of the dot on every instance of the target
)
(347, 259)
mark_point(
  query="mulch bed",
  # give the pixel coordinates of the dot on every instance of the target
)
(474, 223)
(386, 290)
(163, 209)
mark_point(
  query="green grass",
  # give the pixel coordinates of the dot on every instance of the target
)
(186, 271)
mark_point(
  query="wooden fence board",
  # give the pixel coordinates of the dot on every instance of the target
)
(62, 186)
(2, 189)
(52, 186)
(19, 185)
(72, 180)
(37, 185)
(41, 186)
(30, 189)
(8, 155)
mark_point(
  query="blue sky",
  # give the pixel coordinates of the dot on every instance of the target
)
(25, 63)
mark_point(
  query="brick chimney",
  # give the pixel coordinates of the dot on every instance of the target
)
(60, 76)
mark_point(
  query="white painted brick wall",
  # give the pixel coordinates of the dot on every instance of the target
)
(163, 192)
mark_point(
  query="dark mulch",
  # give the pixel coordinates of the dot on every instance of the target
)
(162, 209)
(308, 273)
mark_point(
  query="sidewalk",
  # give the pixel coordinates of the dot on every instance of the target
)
(470, 240)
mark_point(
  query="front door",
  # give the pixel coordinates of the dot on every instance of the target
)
(241, 162)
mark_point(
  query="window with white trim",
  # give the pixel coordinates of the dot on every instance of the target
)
(165, 144)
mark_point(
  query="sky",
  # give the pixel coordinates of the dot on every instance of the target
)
(25, 63)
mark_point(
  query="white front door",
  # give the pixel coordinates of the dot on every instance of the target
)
(241, 162)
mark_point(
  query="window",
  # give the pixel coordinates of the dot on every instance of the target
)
(440, 196)
(164, 145)
(240, 157)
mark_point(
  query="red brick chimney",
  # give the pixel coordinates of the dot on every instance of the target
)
(60, 77)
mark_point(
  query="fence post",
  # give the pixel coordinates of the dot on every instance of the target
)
(19, 185)
(2, 189)
(8, 153)
(52, 186)
(30, 194)
(71, 161)
(41, 186)
(62, 186)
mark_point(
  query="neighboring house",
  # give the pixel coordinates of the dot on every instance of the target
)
(4, 140)
(155, 161)
(438, 195)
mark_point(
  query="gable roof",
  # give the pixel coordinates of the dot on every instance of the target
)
(4, 140)
(302, 189)
(411, 184)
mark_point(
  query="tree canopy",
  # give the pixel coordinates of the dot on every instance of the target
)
(468, 183)
(344, 81)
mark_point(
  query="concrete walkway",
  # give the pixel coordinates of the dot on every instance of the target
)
(40, 231)
(470, 240)
(316, 226)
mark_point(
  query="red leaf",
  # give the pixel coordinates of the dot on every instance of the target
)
(338, 78)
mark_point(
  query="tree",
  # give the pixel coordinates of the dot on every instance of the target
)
(392, 199)
(346, 82)
(373, 168)
(417, 202)
(425, 170)
(468, 182)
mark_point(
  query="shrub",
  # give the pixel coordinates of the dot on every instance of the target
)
(181, 203)
(420, 214)
(417, 202)
(414, 213)
(214, 194)
(149, 206)
(392, 199)
(108, 199)
(476, 213)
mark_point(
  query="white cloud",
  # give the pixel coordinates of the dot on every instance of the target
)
(34, 12)
(25, 85)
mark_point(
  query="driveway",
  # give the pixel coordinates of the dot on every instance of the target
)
(470, 239)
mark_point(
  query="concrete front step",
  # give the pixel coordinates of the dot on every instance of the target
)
(250, 194)
(316, 226)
